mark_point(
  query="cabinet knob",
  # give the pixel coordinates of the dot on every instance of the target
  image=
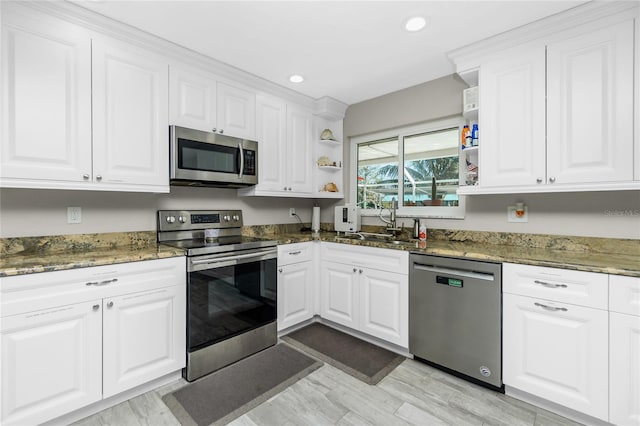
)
(110, 305)
(86, 176)
(214, 130)
(95, 307)
(360, 271)
(98, 177)
(289, 188)
(552, 179)
(354, 269)
(539, 180)
(280, 270)
(221, 131)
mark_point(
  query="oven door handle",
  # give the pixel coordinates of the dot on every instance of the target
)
(234, 257)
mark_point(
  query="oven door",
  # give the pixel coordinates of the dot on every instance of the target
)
(230, 294)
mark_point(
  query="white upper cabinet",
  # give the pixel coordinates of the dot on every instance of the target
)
(199, 101)
(80, 111)
(285, 154)
(512, 91)
(46, 101)
(590, 107)
(556, 109)
(130, 118)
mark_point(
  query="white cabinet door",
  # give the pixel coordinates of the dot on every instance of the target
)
(557, 352)
(144, 337)
(624, 380)
(236, 112)
(130, 116)
(51, 362)
(295, 294)
(192, 99)
(271, 127)
(384, 306)
(299, 161)
(512, 116)
(339, 294)
(46, 102)
(589, 107)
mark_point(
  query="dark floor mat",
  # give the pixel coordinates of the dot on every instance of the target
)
(363, 360)
(227, 394)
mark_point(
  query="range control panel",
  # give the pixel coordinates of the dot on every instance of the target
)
(178, 220)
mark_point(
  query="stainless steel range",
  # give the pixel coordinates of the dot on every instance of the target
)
(231, 287)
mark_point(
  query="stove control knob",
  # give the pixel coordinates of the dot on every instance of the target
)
(182, 219)
(227, 218)
(236, 217)
(171, 219)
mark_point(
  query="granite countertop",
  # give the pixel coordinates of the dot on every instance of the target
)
(590, 261)
(28, 255)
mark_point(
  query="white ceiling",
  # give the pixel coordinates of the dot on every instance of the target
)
(349, 50)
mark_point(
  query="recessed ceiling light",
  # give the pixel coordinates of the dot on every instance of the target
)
(415, 24)
(296, 78)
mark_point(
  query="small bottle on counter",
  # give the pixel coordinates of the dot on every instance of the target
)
(474, 135)
(423, 233)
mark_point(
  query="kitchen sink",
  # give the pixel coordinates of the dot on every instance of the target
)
(373, 237)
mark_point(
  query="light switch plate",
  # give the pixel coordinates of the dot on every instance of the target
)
(511, 214)
(74, 214)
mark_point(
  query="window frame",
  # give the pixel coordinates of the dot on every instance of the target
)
(436, 212)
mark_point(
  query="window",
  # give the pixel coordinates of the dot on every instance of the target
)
(429, 176)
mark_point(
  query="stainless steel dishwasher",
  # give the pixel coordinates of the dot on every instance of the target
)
(455, 310)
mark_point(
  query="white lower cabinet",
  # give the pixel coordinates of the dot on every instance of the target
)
(558, 352)
(144, 337)
(366, 288)
(296, 284)
(51, 362)
(72, 338)
(624, 350)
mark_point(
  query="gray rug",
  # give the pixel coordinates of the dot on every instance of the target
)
(230, 392)
(362, 360)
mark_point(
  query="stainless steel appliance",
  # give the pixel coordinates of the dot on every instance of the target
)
(198, 158)
(231, 287)
(455, 316)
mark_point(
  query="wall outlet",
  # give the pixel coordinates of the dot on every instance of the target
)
(74, 214)
(513, 217)
(292, 212)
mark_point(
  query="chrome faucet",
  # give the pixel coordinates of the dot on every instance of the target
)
(391, 223)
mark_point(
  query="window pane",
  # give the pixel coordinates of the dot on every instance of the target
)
(377, 173)
(431, 169)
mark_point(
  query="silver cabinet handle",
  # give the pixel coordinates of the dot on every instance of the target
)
(360, 271)
(95, 307)
(355, 269)
(221, 131)
(550, 285)
(110, 305)
(105, 282)
(214, 130)
(550, 308)
(289, 188)
(86, 176)
(552, 179)
(539, 180)
(98, 177)
(295, 253)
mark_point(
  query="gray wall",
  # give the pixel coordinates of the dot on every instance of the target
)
(595, 214)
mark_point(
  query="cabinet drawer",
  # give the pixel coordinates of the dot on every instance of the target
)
(624, 294)
(562, 285)
(294, 253)
(369, 257)
(32, 292)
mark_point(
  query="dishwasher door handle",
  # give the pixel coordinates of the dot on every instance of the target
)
(457, 272)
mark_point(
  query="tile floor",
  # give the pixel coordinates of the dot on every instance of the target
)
(412, 394)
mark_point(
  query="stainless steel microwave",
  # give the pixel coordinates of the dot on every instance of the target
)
(198, 158)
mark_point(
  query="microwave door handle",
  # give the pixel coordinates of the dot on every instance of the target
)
(241, 160)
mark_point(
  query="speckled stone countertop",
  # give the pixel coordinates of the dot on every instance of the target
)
(27, 255)
(604, 255)
(19, 256)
